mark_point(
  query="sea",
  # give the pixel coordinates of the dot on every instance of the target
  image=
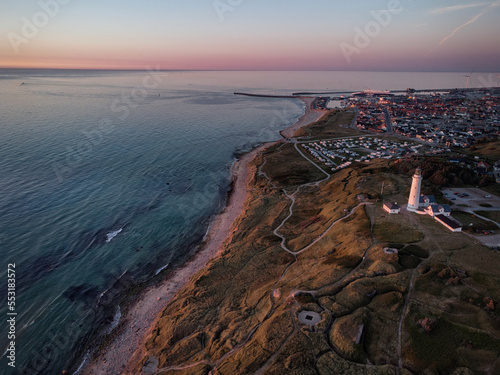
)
(109, 180)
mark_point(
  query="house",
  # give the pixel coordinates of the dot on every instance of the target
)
(392, 208)
(449, 223)
(496, 166)
(438, 209)
(483, 165)
(426, 200)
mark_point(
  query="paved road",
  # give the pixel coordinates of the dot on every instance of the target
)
(356, 114)
(388, 122)
(472, 202)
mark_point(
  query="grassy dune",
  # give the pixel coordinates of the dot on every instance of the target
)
(334, 124)
(240, 314)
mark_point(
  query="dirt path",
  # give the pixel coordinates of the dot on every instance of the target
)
(328, 175)
(125, 350)
(401, 319)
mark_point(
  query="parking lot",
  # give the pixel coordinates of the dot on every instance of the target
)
(472, 198)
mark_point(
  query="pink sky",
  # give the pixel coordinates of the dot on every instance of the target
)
(291, 35)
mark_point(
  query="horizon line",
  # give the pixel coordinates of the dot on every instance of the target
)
(240, 70)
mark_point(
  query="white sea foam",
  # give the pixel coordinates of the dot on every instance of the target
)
(113, 234)
(169, 153)
(85, 359)
(116, 320)
(107, 290)
(161, 269)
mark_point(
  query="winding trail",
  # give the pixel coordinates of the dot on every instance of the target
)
(313, 163)
(404, 311)
(305, 120)
(276, 231)
(218, 235)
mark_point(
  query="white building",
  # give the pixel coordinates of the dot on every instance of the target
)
(438, 209)
(426, 205)
(392, 208)
(449, 223)
(414, 199)
(426, 200)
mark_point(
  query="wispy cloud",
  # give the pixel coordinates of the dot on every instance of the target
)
(456, 8)
(471, 21)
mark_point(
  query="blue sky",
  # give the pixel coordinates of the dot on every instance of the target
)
(383, 35)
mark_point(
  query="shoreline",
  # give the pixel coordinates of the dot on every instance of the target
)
(310, 115)
(125, 349)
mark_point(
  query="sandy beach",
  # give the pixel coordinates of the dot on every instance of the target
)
(125, 350)
(310, 115)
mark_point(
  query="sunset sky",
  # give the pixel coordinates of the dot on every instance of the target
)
(372, 35)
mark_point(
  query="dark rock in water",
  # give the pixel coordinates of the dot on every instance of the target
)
(85, 293)
(119, 286)
(35, 270)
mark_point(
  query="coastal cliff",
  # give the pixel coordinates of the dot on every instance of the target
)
(304, 284)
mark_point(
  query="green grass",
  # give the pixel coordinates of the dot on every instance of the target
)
(396, 245)
(393, 232)
(288, 168)
(438, 349)
(486, 205)
(346, 261)
(329, 126)
(492, 187)
(477, 223)
(409, 261)
(416, 251)
(304, 298)
(492, 215)
(489, 150)
(429, 283)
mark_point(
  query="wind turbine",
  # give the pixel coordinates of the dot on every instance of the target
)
(468, 81)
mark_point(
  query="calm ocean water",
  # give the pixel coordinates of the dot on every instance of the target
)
(108, 176)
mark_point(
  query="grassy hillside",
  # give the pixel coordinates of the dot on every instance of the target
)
(431, 305)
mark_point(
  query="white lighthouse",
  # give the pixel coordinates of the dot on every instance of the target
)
(414, 198)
